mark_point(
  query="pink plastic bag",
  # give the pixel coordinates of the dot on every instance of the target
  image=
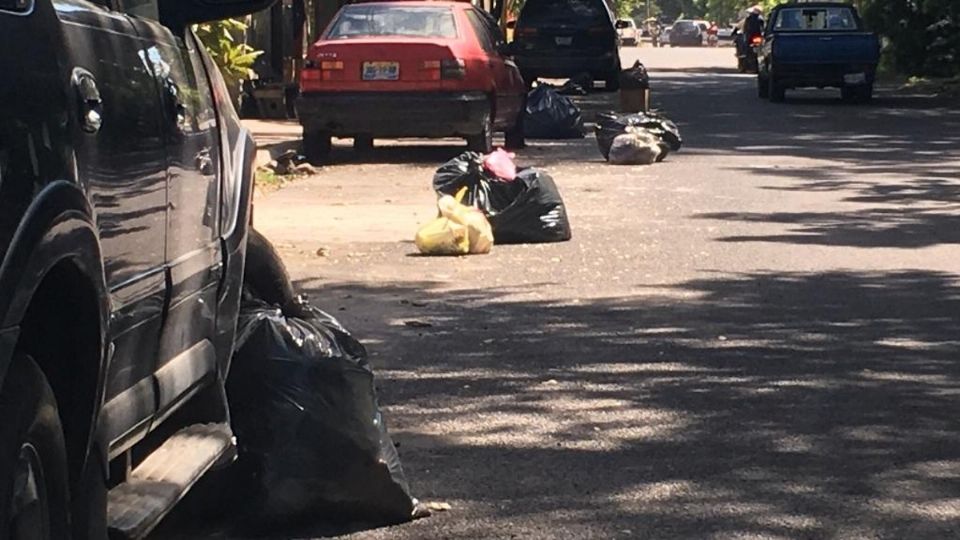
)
(500, 164)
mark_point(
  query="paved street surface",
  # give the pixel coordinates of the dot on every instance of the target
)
(757, 338)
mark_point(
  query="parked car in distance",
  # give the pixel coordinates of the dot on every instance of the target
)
(820, 45)
(687, 33)
(124, 208)
(564, 38)
(628, 32)
(410, 69)
(665, 37)
(726, 33)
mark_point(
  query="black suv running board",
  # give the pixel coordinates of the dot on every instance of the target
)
(135, 507)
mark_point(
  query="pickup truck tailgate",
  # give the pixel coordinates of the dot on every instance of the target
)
(826, 48)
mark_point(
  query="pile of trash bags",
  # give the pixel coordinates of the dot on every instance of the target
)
(522, 205)
(550, 115)
(311, 436)
(610, 126)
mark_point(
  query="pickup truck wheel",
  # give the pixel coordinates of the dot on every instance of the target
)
(316, 146)
(363, 143)
(775, 90)
(34, 492)
(763, 88)
(612, 81)
(857, 94)
(264, 274)
(483, 142)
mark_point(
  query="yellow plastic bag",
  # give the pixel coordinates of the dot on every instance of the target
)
(459, 230)
(443, 236)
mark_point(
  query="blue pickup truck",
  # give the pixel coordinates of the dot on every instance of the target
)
(817, 45)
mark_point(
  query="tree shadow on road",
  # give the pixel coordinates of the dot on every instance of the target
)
(794, 404)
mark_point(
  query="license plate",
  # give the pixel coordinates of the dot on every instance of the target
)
(855, 78)
(381, 71)
(566, 41)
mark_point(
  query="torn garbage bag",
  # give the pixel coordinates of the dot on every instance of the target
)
(527, 210)
(551, 116)
(304, 408)
(609, 125)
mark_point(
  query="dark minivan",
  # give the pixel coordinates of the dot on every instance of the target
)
(564, 38)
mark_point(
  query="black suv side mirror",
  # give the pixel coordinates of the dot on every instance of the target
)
(621, 24)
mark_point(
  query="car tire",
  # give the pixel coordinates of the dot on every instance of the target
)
(857, 94)
(32, 454)
(317, 146)
(483, 141)
(612, 82)
(363, 144)
(776, 92)
(265, 277)
(514, 138)
(763, 87)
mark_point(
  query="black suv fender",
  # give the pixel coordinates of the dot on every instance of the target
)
(56, 228)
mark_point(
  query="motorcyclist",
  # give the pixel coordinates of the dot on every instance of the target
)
(713, 34)
(751, 26)
(655, 29)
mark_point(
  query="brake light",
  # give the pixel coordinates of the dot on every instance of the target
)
(331, 66)
(756, 40)
(450, 68)
(453, 68)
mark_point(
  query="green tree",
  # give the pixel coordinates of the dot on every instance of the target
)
(235, 58)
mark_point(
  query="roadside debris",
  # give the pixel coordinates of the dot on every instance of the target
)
(527, 209)
(610, 125)
(635, 147)
(550, 115)
(460, 230)
(313, 442)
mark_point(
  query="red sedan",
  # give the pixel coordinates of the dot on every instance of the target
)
(410, 69)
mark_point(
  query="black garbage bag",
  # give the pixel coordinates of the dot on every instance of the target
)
(310, 431)
(609, 125)
(635, 78)
(528, 209)
(550, 115)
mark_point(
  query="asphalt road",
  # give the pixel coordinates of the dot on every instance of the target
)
(757, 338)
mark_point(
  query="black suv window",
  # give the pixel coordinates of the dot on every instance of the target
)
(580, 12)
(148, 9)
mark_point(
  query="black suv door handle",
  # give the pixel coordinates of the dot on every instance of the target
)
(91, 105)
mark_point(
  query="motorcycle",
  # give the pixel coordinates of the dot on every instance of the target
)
(748, 53)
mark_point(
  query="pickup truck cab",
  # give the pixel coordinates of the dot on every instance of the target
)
(125, 191)
(817, 45)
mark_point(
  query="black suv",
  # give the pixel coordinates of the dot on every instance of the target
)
(564, 38)
(125, 189)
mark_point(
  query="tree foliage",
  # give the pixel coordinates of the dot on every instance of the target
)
(234, 57)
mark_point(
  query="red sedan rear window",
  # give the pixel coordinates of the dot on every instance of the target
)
(359, 21)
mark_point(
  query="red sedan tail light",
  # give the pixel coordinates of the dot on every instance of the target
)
(451, 68)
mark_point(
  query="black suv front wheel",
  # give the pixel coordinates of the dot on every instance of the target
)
(34, 496)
